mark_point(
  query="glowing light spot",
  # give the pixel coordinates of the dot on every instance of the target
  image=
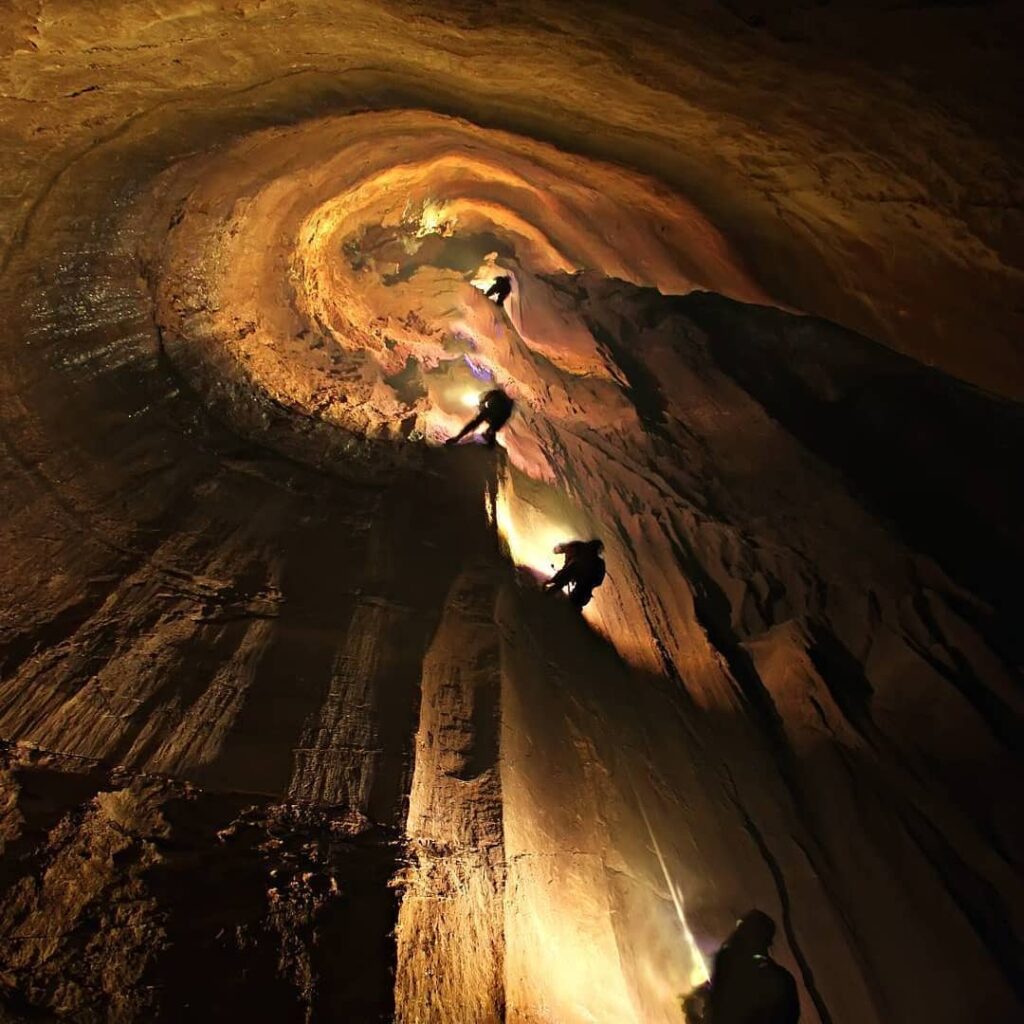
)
(434, 221)
(527, 532)
(698, 967)
(470, 399)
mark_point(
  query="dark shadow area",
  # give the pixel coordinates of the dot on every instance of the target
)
(408, 382)
(977, 899)
(275, 913)
(44, 795)
(937, 457)
(844, 676)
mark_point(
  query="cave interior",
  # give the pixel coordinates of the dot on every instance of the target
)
(289, 729)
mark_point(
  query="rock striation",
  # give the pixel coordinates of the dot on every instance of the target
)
(287, 730)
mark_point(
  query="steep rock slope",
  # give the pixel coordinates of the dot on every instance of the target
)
(284, 734)
(780, 731)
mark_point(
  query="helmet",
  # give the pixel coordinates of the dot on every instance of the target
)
(755, 931)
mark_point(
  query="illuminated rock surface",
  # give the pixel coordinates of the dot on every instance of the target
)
(286, 733)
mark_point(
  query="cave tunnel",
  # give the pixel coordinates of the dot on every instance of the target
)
(289, 730)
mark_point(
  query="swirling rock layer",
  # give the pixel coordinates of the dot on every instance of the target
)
(287, 730)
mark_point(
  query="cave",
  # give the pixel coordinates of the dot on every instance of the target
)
(289, 729)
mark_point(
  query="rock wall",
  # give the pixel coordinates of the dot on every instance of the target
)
(287, 731)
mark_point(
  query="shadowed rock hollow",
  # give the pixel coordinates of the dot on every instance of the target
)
(288, 731)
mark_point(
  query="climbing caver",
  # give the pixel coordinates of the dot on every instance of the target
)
(500, 290)
(584, 569)
(495, 408)
(747, 986)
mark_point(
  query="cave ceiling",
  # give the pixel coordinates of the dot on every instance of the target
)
(286, 727)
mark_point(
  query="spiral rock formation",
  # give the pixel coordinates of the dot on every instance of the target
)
(288, 731)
